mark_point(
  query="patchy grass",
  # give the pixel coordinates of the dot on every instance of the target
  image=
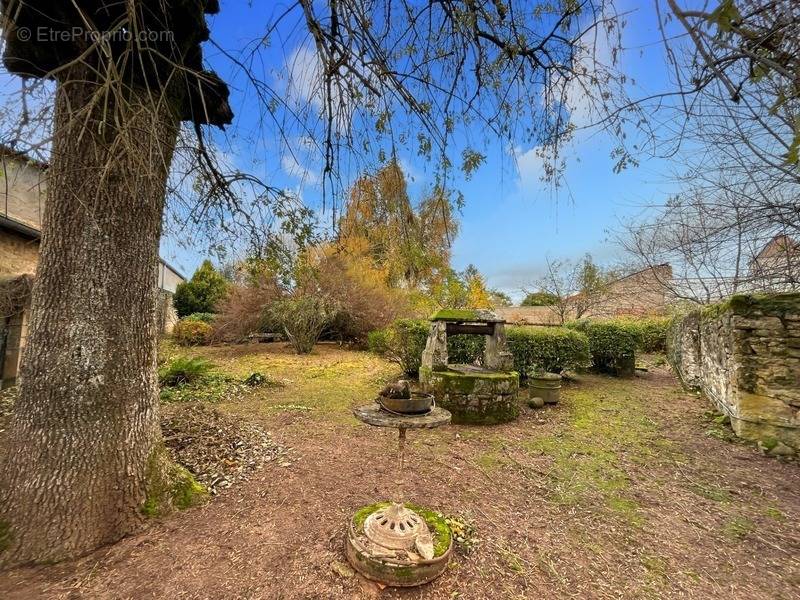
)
(711, 491)
(605, 429)
(737, 527)
(616, 492)
(323, 385)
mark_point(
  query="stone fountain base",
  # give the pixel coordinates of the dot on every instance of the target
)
(402, 567)
(472, 394)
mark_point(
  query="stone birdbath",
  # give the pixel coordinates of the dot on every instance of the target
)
(481, 395)
(396, 542)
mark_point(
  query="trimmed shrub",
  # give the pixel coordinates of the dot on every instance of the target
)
(183, 370)
(191, 333)
(613, 345)
(378, 341)
(465, 349)
(202, 317)
(549, 349)
(652, 333)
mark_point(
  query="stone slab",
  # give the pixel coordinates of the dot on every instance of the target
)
(373, 414)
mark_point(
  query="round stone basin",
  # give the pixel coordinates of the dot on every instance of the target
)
(474, 395)
(397, 568)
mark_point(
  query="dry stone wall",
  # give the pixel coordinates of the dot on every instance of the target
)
(744, 354)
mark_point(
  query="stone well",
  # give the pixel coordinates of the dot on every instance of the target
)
(485, 394)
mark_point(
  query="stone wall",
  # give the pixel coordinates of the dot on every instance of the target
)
(744, 354)
(19, 255)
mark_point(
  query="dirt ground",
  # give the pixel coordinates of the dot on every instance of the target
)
(626, 489)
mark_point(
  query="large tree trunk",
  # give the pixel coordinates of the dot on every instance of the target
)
(85, 424)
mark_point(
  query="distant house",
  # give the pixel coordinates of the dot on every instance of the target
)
(23, 193)
(638, 294)
(777, 265)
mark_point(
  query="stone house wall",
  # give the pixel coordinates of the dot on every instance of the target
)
(639, 294)
(23, 189)
(19, 254)
(744, 354)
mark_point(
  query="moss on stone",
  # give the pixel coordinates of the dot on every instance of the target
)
(169, 486)
(748, 304)
(769, 443)
(362, 513)
(456, 391)
(456, 314)
(437, 525)
(492, 415)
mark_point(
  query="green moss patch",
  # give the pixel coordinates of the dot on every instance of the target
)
(607, 428)
(442, 537)
(456, 314)
(749, 304)
(170, 486)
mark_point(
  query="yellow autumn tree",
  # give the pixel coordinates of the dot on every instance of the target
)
(411, 245)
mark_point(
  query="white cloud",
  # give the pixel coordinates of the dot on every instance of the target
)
(292, 167)
(304, 73)
(530, 167)
(410, 171)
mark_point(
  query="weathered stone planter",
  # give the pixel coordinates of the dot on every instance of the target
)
(398, 570)
(474, 395)
(546, 386)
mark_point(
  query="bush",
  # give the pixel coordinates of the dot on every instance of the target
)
(202, 317)
(550, 349)
(612, 345)
(243, 311)
(465, 349)
(402, 342)
(652, 333)
(192, 333)
(303, 319)
(364, 301)
(202, 292)
(183, 370)
(378, 341)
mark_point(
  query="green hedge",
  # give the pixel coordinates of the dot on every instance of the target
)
(651, 331)
(465, 349)
(653, 334)
(612, 344)
(551, 349)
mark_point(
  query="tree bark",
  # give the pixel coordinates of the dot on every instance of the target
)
(85, 424)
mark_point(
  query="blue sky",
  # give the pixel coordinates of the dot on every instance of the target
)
(511, 221)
